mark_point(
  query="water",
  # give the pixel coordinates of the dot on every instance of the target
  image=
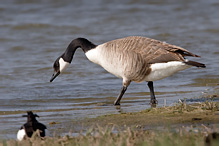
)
(34, 33)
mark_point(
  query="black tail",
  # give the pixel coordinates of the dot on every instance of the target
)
(193, 63)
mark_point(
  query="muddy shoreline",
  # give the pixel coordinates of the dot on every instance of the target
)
(179, 115)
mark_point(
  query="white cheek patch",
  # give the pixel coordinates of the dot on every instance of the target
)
(62, 64)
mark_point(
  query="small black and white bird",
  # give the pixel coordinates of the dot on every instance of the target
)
(132, 58)
(30, 127)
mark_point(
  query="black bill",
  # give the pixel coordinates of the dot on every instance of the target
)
(54, 76)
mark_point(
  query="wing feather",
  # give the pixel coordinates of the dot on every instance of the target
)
(152, 51)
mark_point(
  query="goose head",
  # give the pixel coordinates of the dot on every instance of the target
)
(65, 59)
(59, 66)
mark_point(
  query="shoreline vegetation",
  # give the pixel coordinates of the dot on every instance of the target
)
(181, 124)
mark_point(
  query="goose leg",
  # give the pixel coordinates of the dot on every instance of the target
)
(117, 101)
(124, 88)
(153, 98)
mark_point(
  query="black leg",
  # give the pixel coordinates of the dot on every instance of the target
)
(117, 101)
(153, 98)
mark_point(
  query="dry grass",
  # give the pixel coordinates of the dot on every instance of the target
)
(99, 136)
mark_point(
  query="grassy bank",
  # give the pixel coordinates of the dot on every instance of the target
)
(106, 137)
(181, 124)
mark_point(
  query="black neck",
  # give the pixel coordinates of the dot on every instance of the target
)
(77, 43)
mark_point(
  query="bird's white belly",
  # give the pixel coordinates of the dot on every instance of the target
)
(20, 135)
(163, 70)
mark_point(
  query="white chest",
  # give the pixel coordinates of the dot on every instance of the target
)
(104, 59)
(93, 55)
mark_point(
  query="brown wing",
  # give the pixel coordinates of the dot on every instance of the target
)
(152, 51)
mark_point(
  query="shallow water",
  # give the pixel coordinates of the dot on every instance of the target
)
(34, 33)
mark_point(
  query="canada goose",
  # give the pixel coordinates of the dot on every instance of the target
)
(30, 127)
(132, 58)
